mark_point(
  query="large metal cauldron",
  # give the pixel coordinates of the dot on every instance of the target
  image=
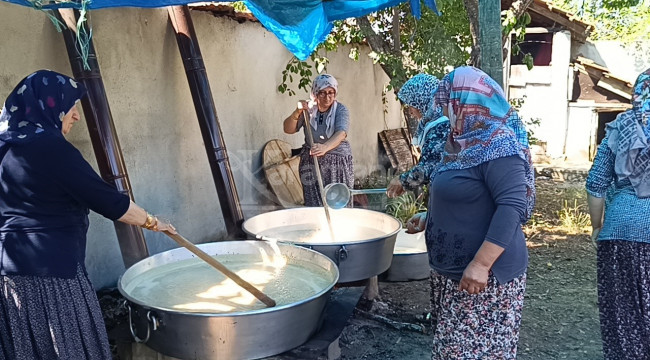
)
(236, 335)
(362, 246)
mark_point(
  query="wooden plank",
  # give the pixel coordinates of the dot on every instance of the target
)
(617, 89)
(282, 174)
(398, 148)
(275, 151)
(580, 31)
(389, 152)
(284, 179)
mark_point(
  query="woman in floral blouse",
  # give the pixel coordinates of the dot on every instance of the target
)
(433, 129)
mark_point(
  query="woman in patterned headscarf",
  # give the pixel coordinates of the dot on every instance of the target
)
(480, 194)
(329, 121)
(621, 226)
(433, 128)
(48, 308)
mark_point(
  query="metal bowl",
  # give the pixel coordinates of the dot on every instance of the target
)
(362, 246)
(410, 258)
(237, 335)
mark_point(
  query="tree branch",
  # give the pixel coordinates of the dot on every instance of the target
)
(518, 8)
(471, 6)
(397, 46)
(378, 45)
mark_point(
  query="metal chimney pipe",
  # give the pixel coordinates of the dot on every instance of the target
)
(197, 77)
(104, 139)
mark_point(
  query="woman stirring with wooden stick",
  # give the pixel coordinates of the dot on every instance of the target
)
(48, 308)
(329, 121)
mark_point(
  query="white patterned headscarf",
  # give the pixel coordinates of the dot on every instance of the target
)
(629, 139)
(323, 82)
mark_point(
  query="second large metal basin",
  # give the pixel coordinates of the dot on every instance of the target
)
(363, 242)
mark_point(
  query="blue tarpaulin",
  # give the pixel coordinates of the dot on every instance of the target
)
(299, 24)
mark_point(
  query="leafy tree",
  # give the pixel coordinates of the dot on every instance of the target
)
(404, 46)
(400, 44)
(624, 20)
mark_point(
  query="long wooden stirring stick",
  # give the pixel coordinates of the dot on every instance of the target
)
(219, 266)
(310, 138)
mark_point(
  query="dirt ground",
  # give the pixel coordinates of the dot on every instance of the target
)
(560, 318)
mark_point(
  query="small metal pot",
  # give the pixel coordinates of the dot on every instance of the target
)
(366, 250)
(237, 335)
(410, 258)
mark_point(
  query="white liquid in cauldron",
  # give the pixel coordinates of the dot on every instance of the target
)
(194, 286)
(305, 234)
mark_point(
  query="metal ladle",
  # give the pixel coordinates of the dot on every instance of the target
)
(338, 195)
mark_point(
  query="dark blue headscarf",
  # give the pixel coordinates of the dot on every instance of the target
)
(37, 105)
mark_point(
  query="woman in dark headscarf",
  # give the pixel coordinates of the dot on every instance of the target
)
(431, 135)
(330, 122)
(622, 166)
(48, 308)
(480, 194)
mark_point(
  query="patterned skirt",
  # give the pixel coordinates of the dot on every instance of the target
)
(480, 326)
(624, 299)
(334, 168)
(51, 318)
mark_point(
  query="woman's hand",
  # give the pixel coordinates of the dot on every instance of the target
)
(475, 278)
(303, 105)
(319, 150)
(395, 188)
(163, 225)
(416, 223)
(594, 237)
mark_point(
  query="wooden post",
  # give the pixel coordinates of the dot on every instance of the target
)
(489, 17)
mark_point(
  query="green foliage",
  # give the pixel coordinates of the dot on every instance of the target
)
(510, 23)
(405, 206)
(427, 45)
(624, 20)
(531, 123)
(619, 4)
(430, 44)
(239, 6)
(296, 67)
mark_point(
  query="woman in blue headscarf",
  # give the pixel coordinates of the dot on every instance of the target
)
(431, 135)
(330, 123)
(48, 308)
(479, 195)
(621, 226)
